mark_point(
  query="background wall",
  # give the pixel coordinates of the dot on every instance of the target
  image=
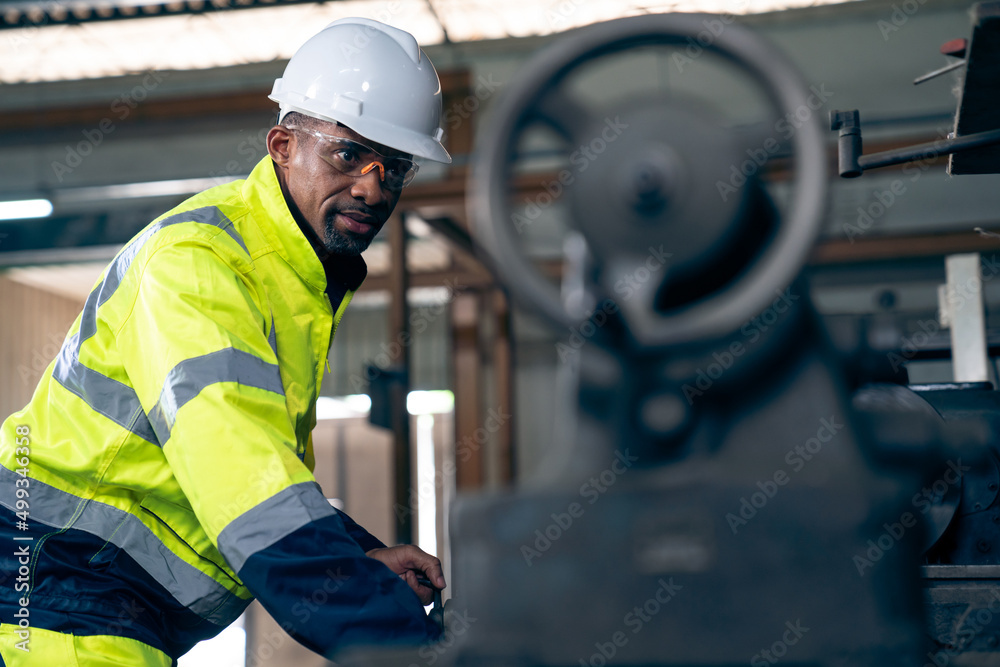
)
(34, 324)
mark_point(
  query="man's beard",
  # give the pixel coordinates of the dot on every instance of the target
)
(345, 243)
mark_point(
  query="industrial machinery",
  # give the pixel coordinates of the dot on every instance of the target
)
(729, 486)
(961, 571)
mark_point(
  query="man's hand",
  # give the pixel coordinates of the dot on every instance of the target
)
(410, 562)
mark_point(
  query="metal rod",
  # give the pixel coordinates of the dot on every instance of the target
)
(929, 150)
(938, 72)
(399, 331)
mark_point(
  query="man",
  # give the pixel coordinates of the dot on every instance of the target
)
(161, 476)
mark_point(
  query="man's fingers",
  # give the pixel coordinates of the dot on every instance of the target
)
(423, 592)
(431, 567)
(414, 558)
(407, 561)
(436, 576)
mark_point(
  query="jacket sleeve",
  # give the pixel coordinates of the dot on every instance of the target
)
(364, 539)
(196, 350)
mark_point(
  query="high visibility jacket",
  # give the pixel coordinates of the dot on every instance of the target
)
(167, 450)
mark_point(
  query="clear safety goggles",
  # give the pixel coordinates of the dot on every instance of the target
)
(356, 159)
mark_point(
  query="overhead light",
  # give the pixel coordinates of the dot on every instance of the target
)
(171, 188)
(359, 405)
(429, 402)
(355, 405)
(25, 208)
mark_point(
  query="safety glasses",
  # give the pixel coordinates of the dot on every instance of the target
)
(356, 159)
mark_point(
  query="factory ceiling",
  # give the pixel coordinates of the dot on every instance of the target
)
(62, 40)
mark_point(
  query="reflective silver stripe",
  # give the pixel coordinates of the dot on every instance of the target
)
(278, 516)
(187, 584)
(208, 215)
(189, 377)
(116, 401)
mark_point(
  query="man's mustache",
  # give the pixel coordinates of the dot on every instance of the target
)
(377, 216)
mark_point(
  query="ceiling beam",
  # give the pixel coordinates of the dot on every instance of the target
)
(36, 14)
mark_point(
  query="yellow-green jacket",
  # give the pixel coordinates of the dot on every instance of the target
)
(167, 449)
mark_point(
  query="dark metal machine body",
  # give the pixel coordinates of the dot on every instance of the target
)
(718, 494)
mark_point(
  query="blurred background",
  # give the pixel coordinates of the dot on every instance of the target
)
(113, 111)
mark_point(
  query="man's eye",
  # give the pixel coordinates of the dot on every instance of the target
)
(396, 168)
(348, 155)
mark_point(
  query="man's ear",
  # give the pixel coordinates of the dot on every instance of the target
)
(279, 140)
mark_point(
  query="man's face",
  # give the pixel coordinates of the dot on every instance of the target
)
(345, 211)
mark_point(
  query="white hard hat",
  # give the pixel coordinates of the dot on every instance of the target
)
(371, 77)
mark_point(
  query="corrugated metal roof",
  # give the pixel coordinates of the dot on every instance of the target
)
(49, 50)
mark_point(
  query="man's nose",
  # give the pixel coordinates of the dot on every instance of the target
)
(368, 186)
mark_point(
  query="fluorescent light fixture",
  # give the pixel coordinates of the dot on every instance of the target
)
(25, 208)
(430, 402)
(170, 188)
(426, 490)
(344, 407)
(358, 405)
